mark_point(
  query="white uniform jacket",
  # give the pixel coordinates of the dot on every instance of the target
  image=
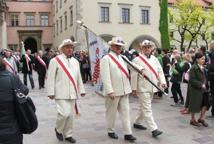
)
(12, 63)
(141, 84)
(59, 84)
(114, 80)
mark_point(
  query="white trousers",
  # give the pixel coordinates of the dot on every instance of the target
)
(145, 111)
(120, 104)
(65, 111)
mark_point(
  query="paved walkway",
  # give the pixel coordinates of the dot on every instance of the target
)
(89, 128)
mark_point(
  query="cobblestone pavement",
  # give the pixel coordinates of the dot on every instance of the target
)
(89, 128)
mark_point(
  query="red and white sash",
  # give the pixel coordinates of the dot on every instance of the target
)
(41, 61)
(149, 66)
(15, 58)
(27, 58)
(69, 74)
(9, 65)
(119, 66)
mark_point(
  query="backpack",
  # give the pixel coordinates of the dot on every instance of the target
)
(186, 74)
(25, 110)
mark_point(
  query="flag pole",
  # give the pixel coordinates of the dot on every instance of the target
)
(128, 62)
(87, 43)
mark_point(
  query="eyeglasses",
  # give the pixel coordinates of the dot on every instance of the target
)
(147, 46)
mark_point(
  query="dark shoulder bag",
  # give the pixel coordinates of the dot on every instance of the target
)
(24, 110)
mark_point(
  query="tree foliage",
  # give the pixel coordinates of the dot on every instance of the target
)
(163, 27)
(190, 21)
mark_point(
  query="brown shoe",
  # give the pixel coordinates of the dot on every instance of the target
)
(203, 122)
(195, 123)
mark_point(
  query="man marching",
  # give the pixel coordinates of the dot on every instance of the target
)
(41, 68)
(64, 84)
(10, 61)
(115, 78)
(27, 68)
(145, 90)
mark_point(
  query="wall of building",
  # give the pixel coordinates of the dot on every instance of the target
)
(129, 31)
(89, 12)
(24, 7)
(65, 9)
(3, 27)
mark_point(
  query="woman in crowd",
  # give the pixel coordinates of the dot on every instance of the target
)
(197, 91)
(186, 68)
(177, 72)
(9, 129)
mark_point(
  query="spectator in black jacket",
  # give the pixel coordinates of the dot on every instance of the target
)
(211, 74)
(9, 129)
(166, 68)
(177, 72)
(41, 68)
(27, 68)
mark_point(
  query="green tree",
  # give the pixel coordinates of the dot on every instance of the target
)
(163, 26)
(188, 19)
(206, 32)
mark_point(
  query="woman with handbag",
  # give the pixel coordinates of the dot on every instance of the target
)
(197, 91)
(9, 128)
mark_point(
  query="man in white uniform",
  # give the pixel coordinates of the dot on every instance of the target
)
(10, 61)
(64, 84)
(145, 90)
(115, 78)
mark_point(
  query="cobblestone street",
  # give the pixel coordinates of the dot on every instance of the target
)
(89, 128)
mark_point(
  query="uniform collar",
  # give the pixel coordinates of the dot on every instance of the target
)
(114, 54)
(64, 56)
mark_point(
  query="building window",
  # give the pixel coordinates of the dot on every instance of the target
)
(57, 27)
(66, 21)
(44, 20)
(71, 16)
(104, 14)
(56, 6)
(13, 46)
(14, 19)
(60, 5)
(30, 20)
(125, 15)
(60, 24)
(145, 16)
(54, 30)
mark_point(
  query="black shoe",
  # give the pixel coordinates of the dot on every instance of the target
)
(181, 102)
(138, 126)
(113, 135)
(129, 138)
(70, 139)
(156, 133)
(59, 135)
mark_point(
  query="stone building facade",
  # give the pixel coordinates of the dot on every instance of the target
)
(30, 22)
(3, 33)
(132, 20)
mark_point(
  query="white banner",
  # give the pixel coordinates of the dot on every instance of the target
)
(97, 49)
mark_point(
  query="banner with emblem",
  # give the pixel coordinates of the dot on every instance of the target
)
(97, 49)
